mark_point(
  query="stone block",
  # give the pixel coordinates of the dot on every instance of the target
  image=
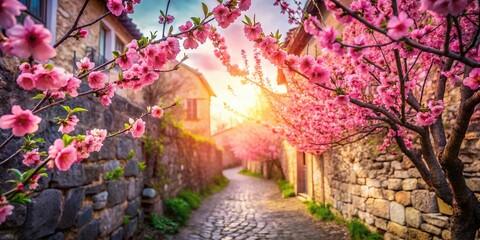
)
(396, 165)
(117, 192)
(149, 193)
(94, 188)
(56, 236)
(111, 219)
(436, 219)
(358, 202)
(84, 216)
(117, 234)
(400, 174)
(374, 183)
(131, 228)
(131, 169)
(100, 200)
(89, 231)
(381, 208)
(43, 214)
(390, 236)
(364, 191)
(131, 193)
(389, 194)
(415, 234)
(431, 229)
(403, 198)
(73, 201)
(17, 218)
(447, 235)
(381, 223)
(473, 184)
(124, 145)
(444, 207)
(133, 207)
(369, 204)
(397, 213)
(92, 173)
(356, 190)
(413, 217)
(424, 201)
(375, 192)
(74, 177)
(397, 229)
(110, 166)
(394, 184)
(410, 184)
(413, 172)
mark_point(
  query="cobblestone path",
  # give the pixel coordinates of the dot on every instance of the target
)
(252, 208)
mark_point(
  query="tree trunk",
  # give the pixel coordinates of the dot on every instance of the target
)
(278, 164)
(465, 220)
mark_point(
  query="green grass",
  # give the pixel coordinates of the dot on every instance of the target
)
(164, 224)
(219, 183)
(178, 210)
(251, 174)
(192, 198)
(286, 188)
(356, 229)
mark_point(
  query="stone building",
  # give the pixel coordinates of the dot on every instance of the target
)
(222, 139)
(188, 84)
(384, 191)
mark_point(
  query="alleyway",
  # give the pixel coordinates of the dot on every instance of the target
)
(252, 208)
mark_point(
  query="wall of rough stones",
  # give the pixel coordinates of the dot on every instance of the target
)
(384, 190)
(81, 203)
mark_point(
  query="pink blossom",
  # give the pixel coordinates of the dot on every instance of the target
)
(186, 26)
(115, 6)
(306, 64)
(34, 181)
(169, 19)
(21, 121)
(46, 79)
(97, 79)
(253, 32)
(68, 125)
(72, 86)
(327, 37)
(341, 99)
(244, 5)
(9, 9)
(190, 43)
(425, 118)
(445, 7)
(157, 112)
(25, 81)
(30, 40)
(85, 64)
(83, 33)
(473, 79)
(31, 158)
(201, 33)
(5, 209)
(64, 157)
(92, 143)
(312, 25)
(124, 61)
(138, 128)
(319, 74)
(107, 95)
(398, 26)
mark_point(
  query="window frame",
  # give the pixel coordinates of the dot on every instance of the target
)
(192, 109)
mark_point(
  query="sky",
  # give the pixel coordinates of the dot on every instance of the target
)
(243, 96)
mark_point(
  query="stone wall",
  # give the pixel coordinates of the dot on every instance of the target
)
(81, 203)
(385, 191)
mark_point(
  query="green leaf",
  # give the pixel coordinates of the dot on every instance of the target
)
(39, 96)
(17, 173)
(116, 54)
(39, 140)
(67, 108)
(249, 21)
(162, 13)
(205, 9)
(43, 154)
(79, 110)
(196, 20)
(48, 66)
(80, 137)
(153, 35)
(67, 139)
(126, 125)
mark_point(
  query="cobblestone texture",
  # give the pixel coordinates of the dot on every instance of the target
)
(252, 208)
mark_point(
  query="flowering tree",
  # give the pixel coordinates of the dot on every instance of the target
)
(391, 70)
(140, 63)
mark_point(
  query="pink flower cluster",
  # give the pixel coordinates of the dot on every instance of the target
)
(168, 19)
(221, 52)
(137, 128)
(42, 77)
(5, 209)
(200, 34)
(140, 65)
(429, 115)
(68, 125)
(117, 7)
(31, 158)
(227, 14)
(92, 142)
(9, 9)
(473, 79)
(445, 7)
(62, 156)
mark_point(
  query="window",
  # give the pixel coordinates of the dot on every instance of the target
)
(37, 9)
(119, 46)
(102, 40)
(192, 109)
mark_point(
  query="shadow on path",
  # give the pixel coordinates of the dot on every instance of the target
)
(252, 208)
